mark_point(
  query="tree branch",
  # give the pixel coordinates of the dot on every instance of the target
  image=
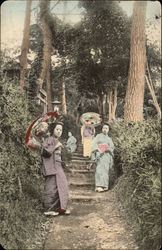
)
(55, 5)
(153, 96)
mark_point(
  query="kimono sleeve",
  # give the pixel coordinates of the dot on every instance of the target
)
(111, 144)
(74, 141)
(95, 144)
(95, 152)
(49, 145)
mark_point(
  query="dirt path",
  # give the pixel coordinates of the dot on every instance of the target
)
(91, 226)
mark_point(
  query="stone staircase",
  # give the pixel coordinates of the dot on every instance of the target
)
(81, 180)
(93, 223)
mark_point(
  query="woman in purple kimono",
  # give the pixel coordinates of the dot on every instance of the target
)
(56, 187)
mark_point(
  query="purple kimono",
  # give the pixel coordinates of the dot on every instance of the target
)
(88, 132)
(56, 187)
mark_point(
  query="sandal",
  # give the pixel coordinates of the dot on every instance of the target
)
(52, 213)
(67, 212)
(63, 211)
(99, 189)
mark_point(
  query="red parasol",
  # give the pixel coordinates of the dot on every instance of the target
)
(39, 129)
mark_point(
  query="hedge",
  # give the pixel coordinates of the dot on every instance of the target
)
(20, 178)
(137, 164)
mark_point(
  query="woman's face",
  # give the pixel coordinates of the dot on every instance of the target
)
(58, 130)
(69, 134)
(105, 129)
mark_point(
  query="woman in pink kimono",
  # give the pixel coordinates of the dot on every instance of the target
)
(56, 187)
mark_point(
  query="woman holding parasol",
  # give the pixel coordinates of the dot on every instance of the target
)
(55, 195)
(89, 121)
(56, 188)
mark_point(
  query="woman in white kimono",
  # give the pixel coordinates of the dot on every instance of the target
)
(102, 154)
(71, 143)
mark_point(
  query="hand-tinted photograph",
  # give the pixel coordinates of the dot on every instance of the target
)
(80, 122)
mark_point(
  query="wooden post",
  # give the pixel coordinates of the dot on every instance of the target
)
(42, 100)
(114, 104)
(110, 104)
(64, 98)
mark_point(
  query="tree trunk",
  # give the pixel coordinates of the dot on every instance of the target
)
(133, 110)
(63, 98)
(112, 103)
(104, 105)
(100, 104)
(48, 88)
(47, 48)
(25, 47)
(44, 12)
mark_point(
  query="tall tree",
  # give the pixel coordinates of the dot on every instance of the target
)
(25, 47)
(63, 79)
(102, 52)
(45, 73)
(133, 110)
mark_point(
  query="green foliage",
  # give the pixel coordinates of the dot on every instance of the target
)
(102, 48)
(137, 156)
(20, 208)
(154, 69)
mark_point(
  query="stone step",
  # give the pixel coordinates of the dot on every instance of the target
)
(79, 149)
(81, 185)
(80, 152)
(80, 158)
(78, 166)
(81, 171)
(82, 179)
(88, 196)
(81, 162)
(81, 174)
(77, 154)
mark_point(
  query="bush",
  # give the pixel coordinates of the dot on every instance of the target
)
(20, 207)
(137, 161)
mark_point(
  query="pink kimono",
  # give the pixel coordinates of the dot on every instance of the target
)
(56, 187)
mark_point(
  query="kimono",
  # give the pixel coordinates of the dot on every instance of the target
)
(55, 195)
(82, 129)
(103, 159)
(71, 144)
(87, 141)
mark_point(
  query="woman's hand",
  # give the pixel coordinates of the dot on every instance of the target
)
(59, 144)
(97, 155)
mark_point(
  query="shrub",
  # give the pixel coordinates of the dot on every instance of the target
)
(20, 207)
(137, 156)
